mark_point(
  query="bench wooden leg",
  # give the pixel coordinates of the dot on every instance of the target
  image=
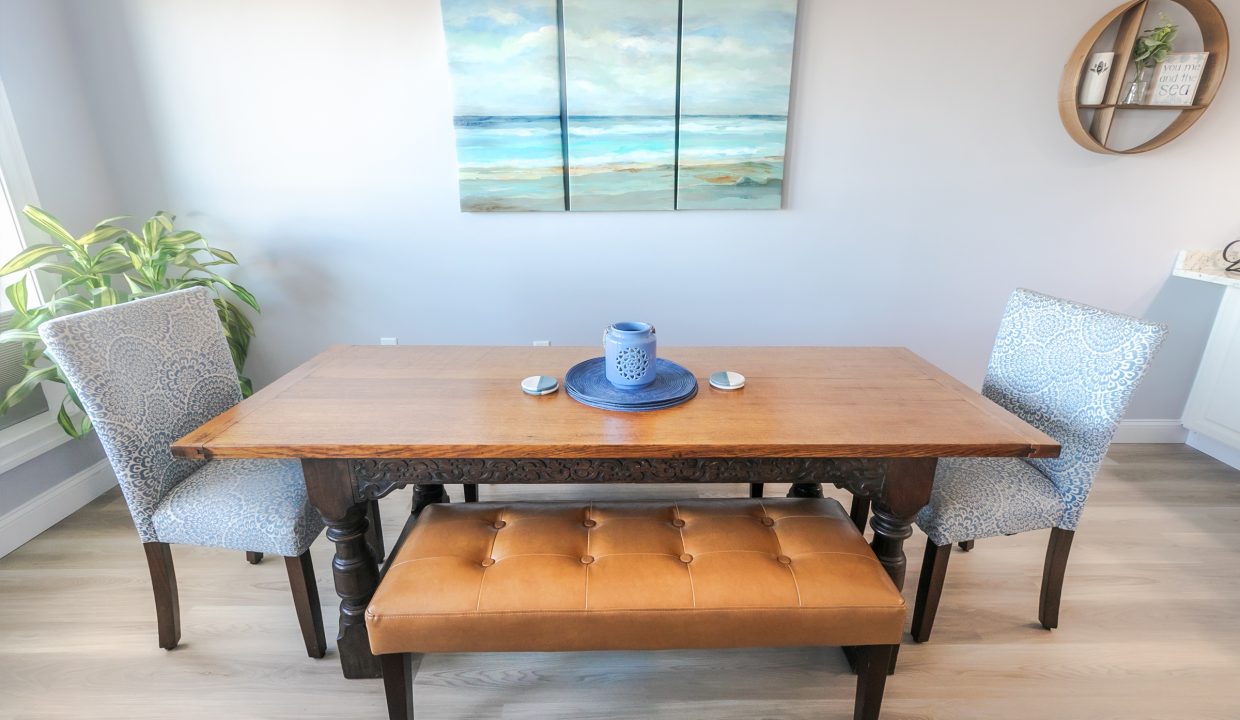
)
(398, 673)
(1052, 576)
(929, 589)
(755, 490)
(860, 512)
(874, 661)
(253, 558)
(471, 493)
(967, 545)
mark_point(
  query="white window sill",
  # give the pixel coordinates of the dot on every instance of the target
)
(29, 439)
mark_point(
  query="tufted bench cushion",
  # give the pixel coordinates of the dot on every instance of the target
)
(534, 577)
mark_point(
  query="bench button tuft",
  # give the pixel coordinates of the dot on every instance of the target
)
(589, 523)
(586, 559)
(686, 558)
(488, 562)
(784, 559)
(769, 522)
(678, 523)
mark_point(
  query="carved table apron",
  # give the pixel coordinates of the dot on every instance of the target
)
(342, 490)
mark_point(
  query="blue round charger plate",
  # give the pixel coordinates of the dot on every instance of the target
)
(587, 383)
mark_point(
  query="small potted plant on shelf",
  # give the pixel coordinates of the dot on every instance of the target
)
(109, 265)
(1151, 48)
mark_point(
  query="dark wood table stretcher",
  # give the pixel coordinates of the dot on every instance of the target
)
(366, 420)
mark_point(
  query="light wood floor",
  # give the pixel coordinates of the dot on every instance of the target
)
(1150, 629)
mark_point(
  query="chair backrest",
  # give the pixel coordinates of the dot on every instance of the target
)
(148, 372)
(1069, 370)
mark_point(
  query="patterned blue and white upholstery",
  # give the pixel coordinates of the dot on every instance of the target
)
(1069, 370)
(150, 371)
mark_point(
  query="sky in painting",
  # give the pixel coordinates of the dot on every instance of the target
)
(504, 56)
(621, 56)
(737, 56)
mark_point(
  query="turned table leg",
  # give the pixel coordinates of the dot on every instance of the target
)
(905, 492)
(329, 484)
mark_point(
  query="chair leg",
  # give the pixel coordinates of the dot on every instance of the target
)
(860, 512)
(253, 558)
(374, 531)
(755, 490)
(164, 583)
(1052, 577)
(929, 589)
(306, 600)
(967, 545)
(872, 667)
(471, 493)
(398, 673)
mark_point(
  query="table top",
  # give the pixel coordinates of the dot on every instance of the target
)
(412, 401)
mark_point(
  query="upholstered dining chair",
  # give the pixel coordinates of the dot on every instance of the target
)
(148, 372)
(1069, 370)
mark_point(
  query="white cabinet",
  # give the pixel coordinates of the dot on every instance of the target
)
(1213, 408)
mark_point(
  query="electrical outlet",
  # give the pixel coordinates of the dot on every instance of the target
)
(542, 343)
(388, 341)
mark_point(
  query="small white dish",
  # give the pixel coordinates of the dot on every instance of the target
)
(727, 380)
(539, 385)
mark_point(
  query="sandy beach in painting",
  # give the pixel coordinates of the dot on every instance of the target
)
(619, 163)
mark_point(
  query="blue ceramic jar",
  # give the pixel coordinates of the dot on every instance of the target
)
(629, 349)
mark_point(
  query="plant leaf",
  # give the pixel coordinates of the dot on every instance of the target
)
(112, 265)
(16, 294)
(50, 225)
(111, 220)
(151, 233)
(107, 296)
(105, 233)
(12, 336)
(21, 390)
(223, 255)
(66, 422)
(29, 257)
(237, 290)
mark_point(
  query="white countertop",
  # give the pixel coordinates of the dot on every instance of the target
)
(1205, 265)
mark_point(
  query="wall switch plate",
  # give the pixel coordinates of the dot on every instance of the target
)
(388, 341)
(542, 343)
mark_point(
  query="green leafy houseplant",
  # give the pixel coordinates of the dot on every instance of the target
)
(1152, 47)
(109, 265)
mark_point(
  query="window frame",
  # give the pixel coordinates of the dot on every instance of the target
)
(32, 437)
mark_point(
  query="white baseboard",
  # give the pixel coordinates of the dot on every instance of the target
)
(1150, 431)
(24, 522)
(1214, 448)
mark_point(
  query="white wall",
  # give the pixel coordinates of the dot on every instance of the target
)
(928, 176)
(37, 64)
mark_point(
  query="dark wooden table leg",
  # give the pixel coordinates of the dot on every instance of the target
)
(902, 494)
(905, 492)
(329, 484)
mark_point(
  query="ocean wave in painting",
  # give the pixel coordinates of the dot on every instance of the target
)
(517, 162)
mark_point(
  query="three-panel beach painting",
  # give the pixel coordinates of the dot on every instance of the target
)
(620, 104)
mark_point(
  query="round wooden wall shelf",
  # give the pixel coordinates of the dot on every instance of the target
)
(1129, 16)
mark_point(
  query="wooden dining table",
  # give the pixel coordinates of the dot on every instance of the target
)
(366, 420)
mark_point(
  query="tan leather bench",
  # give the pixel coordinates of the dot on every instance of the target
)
(548, 577)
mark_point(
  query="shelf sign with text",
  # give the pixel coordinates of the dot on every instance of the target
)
(1177, 79)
